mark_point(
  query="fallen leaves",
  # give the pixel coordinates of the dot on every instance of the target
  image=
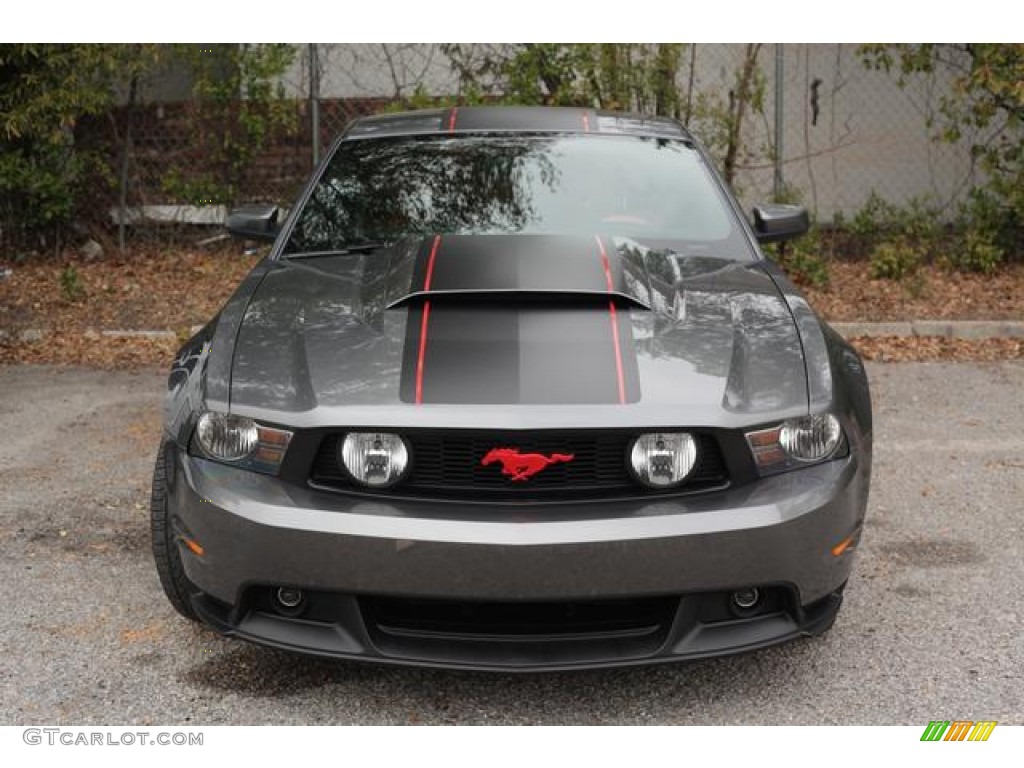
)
(891, 349)
(932, 294)
(149, 288)
(100, 352)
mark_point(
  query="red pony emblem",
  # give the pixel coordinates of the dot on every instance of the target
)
(522, 466)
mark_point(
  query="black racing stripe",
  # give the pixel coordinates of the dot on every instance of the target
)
(517, 348)
(516, 262)
(627, 350)
(410, 354)
(567, 356)
(471, 355)
(512, 352)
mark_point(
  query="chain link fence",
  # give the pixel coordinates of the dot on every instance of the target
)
(846, 131)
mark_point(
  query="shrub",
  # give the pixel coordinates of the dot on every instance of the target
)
(984, 105)
(917, 222)
(977, 251)
(803, 260)
(895, 259)
(992, 219)
(45, 91)
(71, 287)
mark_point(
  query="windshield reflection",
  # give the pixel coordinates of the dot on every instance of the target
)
(655, 191)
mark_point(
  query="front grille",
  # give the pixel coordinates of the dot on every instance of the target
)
(506, 620)
(447, 464)
(554, 633)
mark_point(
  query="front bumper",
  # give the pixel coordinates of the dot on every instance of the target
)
(258, 532)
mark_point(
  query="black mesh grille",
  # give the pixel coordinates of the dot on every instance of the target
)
(448, 465)
(638, 616)
(519, 634)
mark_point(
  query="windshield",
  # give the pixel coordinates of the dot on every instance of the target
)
(654, 191)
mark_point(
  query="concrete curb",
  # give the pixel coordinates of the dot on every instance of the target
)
(952, 329)
(139, 334)
(31, 335)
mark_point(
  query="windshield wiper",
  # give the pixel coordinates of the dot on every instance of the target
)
(365, 246)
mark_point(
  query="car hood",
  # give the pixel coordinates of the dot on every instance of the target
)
(518, 331)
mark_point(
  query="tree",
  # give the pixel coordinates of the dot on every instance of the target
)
(238, 107)
(636, 77)
(45, 91)
(986, 101)
(631, 77)
(720, 119)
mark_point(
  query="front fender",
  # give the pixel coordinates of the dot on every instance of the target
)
(200, 376)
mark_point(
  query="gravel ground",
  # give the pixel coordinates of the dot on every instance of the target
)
(931, 628)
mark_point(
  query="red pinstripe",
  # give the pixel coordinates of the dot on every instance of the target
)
(614, 321)
(426, 320)
(423, 350)
(430, 263)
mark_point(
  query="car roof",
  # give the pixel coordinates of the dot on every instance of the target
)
(456, 120)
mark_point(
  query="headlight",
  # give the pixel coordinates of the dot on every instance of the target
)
(226, 436)
(240, 440)
(794, 442)
(376, 459)
(812, 438)
(663, 459)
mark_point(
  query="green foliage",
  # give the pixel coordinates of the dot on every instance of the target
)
(719, 118)
(986, 104)
(975, 252)
(420, 98)
(899, 239)
(238, 108)
(806, 266)
(790, 194)
(636, 77)
(990, 214)
(45, 91)
(915, 285)
(896, 259)
(917, 222)
(803, 259)
(631, 77)
(71, 287)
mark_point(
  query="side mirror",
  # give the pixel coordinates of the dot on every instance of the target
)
(254, 222)
(776, 223)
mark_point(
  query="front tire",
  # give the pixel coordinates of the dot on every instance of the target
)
(165, 546)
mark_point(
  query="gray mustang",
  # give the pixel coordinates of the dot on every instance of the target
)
(514, 389)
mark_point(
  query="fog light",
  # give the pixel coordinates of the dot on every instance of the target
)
(663, 459)
(745, 599)
(289, 597)
(376, 459)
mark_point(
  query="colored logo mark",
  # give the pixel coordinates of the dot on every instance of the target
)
(958, 730)
(522, 466)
